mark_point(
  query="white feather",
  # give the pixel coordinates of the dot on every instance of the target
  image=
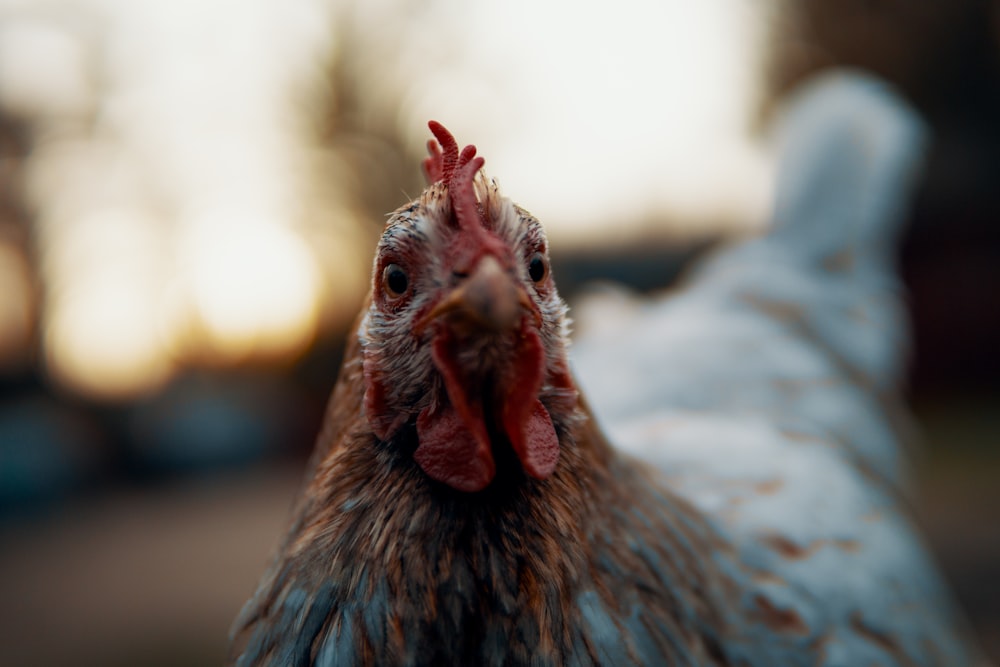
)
(765, 389)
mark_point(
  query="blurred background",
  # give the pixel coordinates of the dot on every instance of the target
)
(190, 193)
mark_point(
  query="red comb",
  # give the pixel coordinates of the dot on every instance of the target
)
(458, 172)
(443, 154)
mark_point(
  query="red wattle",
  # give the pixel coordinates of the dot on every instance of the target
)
(450, 453)
(536, 443)
(455, 445)
(526, 421)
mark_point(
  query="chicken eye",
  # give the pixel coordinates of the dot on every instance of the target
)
(394, 281)
(538, 268)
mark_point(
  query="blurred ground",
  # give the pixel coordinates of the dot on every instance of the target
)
(149, 576)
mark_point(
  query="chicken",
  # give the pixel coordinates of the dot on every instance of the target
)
(464, 506)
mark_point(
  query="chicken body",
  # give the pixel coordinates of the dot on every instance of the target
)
(464, 507)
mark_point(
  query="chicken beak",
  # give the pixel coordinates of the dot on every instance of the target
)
(488, 300)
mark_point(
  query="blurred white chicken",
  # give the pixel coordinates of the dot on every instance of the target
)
(766, 388)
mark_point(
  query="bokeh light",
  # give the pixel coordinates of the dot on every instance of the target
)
(186, 213)
(102, 337)
(255, 286)
(168, 182)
